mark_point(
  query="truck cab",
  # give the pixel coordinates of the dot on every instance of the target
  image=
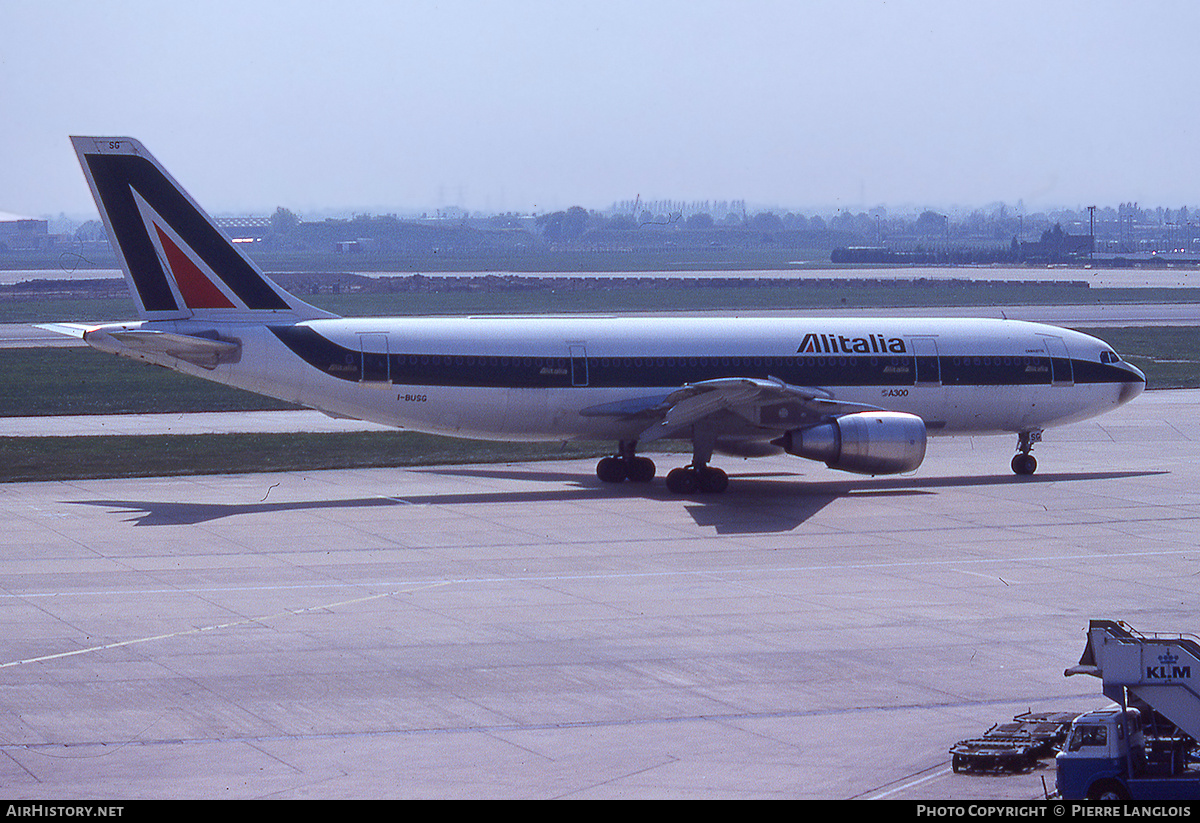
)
(1103, 750)
(1143, 746)
(1108, 756)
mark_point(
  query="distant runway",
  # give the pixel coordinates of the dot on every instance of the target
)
(526, 631)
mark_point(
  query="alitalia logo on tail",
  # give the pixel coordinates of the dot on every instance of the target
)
(198, 289)
(177, 261)
(814, 343)
(195, 283)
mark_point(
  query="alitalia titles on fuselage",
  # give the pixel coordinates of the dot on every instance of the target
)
(814, 343)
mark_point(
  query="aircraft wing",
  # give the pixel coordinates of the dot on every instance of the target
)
(769, 403)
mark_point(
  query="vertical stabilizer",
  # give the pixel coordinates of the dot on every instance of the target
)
(177, 262)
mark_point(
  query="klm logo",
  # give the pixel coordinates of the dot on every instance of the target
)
(841, 344)
(1167, 669)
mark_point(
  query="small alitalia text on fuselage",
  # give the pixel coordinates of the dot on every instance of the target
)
(860, 395)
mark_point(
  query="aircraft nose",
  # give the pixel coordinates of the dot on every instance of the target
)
(1135, 385)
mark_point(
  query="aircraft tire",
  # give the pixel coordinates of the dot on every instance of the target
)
(1024, 464)
(681, 481)
(712, 481)
(640, 470)
(611, 470)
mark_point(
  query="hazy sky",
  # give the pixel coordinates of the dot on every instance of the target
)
(522, 105)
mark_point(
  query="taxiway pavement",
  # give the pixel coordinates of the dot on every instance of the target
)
(526, 631)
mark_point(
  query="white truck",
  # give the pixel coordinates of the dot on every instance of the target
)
(1143, 748)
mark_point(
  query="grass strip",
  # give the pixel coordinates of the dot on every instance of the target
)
(1169, 355)
(652, 296)
(47, 382)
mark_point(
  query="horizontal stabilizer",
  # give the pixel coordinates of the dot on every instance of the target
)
(66, 329)
(204, 350)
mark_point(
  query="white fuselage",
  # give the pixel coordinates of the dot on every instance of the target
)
(858, 394)
(543, 377)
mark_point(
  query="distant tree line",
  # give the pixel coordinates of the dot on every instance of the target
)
(996, 233)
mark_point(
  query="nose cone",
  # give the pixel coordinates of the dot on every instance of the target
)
(1134, 385)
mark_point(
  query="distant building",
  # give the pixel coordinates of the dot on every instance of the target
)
(1057, 246)
(245, 229)
(23, 233)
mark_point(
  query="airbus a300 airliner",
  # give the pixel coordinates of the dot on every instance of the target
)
(860, 395)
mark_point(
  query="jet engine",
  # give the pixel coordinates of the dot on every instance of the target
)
(882, 442)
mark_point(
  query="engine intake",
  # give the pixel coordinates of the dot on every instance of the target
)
(882, 442)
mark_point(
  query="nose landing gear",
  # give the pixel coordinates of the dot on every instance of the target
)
(1023, 462)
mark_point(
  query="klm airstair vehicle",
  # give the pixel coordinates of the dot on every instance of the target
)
(1144, 748)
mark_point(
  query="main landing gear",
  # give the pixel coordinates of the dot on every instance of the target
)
(626, 465)
(698, 477)
(695, 478)
(1023, 462)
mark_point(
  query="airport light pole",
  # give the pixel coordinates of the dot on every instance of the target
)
(1092, 230)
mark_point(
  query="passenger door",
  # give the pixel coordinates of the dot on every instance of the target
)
(375, 360)
(1061, 371)
(928, 367)
(579, 365)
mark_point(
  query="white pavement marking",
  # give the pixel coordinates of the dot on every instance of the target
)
(219, 626)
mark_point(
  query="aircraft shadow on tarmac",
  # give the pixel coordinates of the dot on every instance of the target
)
(756, 503)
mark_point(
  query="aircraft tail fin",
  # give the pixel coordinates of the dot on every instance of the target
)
(176, 260)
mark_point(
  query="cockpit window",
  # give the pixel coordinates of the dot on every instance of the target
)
(1109, 357)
